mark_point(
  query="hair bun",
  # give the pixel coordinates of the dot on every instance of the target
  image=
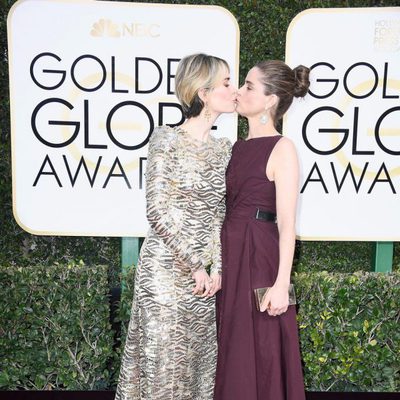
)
(302, 80)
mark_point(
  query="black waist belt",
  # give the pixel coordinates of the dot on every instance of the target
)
(265, 216)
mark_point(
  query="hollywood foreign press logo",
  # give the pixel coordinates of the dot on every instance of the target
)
(387, 35)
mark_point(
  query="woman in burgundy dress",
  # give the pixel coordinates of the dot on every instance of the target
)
(259, 354)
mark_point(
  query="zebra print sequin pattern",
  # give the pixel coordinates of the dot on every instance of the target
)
(170, 351)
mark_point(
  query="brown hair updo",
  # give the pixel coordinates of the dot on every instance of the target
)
(286, 83)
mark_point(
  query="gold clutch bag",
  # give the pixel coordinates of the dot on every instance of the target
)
(261, 292)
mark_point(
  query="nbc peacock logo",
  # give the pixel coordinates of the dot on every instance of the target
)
(137, 29)
(105, 27)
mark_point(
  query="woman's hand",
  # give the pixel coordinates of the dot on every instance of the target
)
(216, 283)
(276, 301)
(203, 283)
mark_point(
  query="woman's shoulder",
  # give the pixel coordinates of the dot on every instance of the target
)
(284, 151)
(284, 144)
(223, 144)
(163, 135)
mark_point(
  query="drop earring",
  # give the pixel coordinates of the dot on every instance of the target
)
(264, 118)
(207, 114)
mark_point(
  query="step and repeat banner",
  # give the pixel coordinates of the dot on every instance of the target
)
(347, 129)
(89, 80)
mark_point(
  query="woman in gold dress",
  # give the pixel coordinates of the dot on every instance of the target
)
(170, 351)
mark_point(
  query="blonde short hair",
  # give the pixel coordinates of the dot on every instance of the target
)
(195, 72)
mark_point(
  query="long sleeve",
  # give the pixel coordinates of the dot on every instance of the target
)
(216, 237)
(159, 187)
(219, 216)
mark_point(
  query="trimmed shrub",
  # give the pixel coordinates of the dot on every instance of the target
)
(121, 321)
(338, 256)
(55, 331)
(349, 331)
(54, 327)
(333, 256)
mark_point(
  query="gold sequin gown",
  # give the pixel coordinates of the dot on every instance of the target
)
(170, 351)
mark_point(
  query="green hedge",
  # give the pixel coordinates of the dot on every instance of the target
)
(55, 331)
(54, 327)
(349, 330)
(335, 256)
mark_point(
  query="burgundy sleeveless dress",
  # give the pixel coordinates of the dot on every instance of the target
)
(258, 355)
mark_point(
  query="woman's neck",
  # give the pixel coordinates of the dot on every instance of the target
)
(198, 127)
(257, 129)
